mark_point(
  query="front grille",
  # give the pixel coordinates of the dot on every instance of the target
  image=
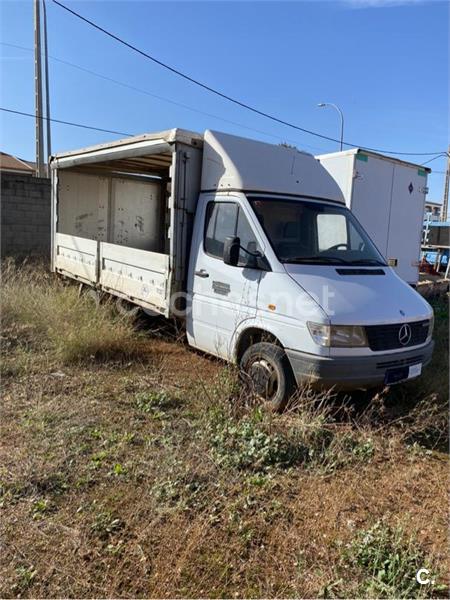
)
(386, 337)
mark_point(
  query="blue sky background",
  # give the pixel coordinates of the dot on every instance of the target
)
(385, 62)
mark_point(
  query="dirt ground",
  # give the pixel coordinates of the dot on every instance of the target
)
(140, 478)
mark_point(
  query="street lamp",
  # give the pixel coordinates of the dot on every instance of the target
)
(325, 104)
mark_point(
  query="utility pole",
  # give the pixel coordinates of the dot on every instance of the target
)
(444, 213)
(38, 91)
(47, 90)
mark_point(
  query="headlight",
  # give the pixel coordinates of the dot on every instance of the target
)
(348, 336)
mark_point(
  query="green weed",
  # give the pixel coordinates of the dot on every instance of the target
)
(40, 508)
(247, 444)
(388, 561)
(25, 577)
(257, 441)
(106, 524)
(156, 403)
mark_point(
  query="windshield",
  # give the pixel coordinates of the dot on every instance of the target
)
(302, 231)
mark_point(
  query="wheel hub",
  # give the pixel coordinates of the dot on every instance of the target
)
(264, 379)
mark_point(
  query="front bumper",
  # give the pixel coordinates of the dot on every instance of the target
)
(353, 372)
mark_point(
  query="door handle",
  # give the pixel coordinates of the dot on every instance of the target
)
(202, 273)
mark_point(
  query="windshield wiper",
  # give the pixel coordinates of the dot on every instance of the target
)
(325, 260)
(368, 262)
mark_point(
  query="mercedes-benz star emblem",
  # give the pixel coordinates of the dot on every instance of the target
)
(404, 335)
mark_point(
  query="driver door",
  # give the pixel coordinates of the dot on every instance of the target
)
(222, 295)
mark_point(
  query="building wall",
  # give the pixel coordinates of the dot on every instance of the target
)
(434, 211)
(25, 215)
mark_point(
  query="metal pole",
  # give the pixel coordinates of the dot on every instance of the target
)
(38, 91)
(342, 127)
(444, 213)
(47, 90)
(341, 114)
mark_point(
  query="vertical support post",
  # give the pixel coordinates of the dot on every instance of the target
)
(444, 214)
(38, 91)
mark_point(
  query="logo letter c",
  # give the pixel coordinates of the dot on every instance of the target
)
(419, 577)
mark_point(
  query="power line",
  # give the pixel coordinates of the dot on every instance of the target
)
(163, 99)
(225, 96)
(441, 154)
(25, 114)
(82, 126)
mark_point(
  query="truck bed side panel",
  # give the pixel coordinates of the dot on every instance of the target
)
(138, 275)
(76, 257)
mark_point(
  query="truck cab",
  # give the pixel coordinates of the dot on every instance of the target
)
(284, 281)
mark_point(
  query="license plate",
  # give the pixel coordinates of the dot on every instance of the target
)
(402, 374)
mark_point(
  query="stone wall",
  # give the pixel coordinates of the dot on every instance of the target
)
(25, 215)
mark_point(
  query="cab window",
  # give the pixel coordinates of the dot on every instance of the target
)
(331, 231)
(224, 219)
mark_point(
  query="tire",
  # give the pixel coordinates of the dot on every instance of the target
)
(268, 372)
(127, 309)
(94, 296)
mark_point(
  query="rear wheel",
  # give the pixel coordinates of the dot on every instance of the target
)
(127, 309)
(269, 374)
(93, 295)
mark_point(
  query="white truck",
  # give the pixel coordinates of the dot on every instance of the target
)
(251, 246)
(387, 195)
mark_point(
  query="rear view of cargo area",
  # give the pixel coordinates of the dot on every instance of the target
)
(123, 212)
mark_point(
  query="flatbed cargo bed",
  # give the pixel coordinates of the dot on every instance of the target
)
(122, 215)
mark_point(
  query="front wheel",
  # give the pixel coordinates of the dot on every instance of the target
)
(267, 368)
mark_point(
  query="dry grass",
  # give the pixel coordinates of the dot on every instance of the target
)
(47, 313)
(158, 478)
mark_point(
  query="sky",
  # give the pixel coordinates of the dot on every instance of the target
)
(383, 62)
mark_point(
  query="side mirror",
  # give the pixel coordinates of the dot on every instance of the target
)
(231, 249)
